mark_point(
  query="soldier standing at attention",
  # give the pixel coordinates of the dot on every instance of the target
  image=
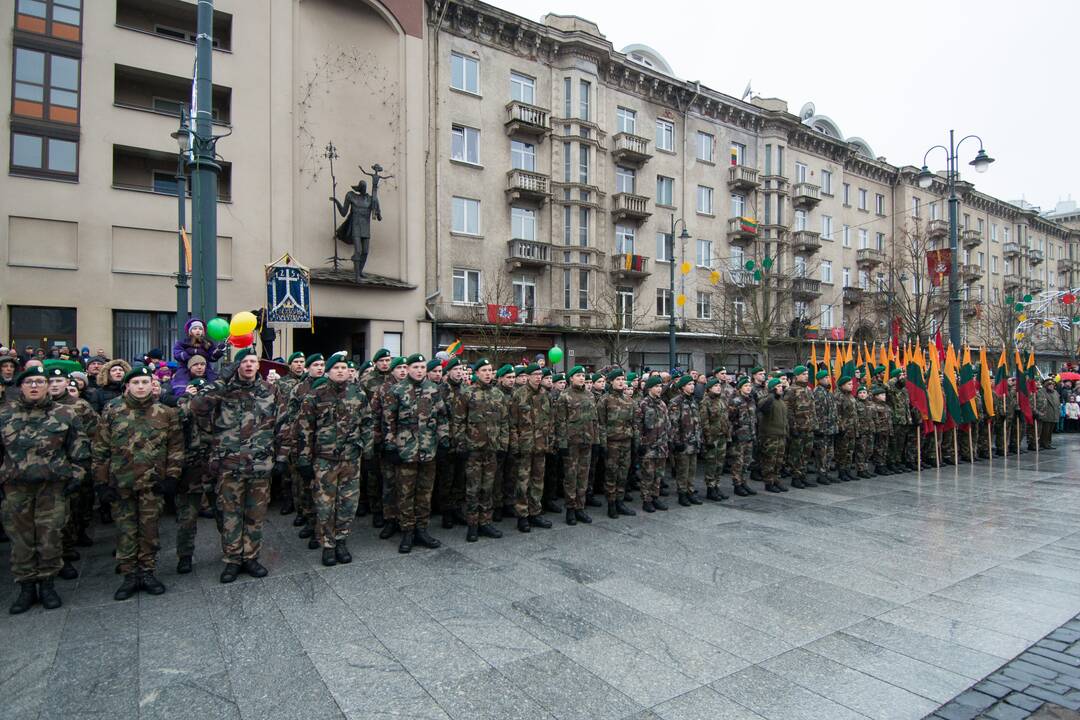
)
(486, 432)
(825, 428)
(597, 456)
(288, 452)
(882, 429)
(685, 439)
(654, 433)
(864, 432)
(502, 500)
(417, 433)
(715, 434)
(800, 400)
(452, 491)
(774, 429)
(138, 450)
(387, 468)
(758, 392)
(575, 428)
(742, 414)
(371, 493)
(900, 411)
(555, 384)
(43, 451)
(194, 478)
(615, 422)
(531, 423)
(81, 503)
(241, 415)
(334, 426)
(285, 476)
(846, 420)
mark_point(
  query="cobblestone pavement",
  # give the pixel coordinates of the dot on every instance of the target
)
(884, 598)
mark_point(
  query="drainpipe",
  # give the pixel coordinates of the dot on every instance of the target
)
(433, 157)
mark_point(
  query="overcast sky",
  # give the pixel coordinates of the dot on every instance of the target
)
(885, 73)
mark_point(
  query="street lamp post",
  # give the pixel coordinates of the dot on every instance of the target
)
(671, 299)
(204, 171)
(182, 138)
(925, 179)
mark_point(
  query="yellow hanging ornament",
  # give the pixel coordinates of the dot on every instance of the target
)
(685, 267)
(1022, 317)
(680, 300)
(714, 277)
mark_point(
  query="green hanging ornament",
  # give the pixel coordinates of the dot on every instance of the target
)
(1027, 298)
(1076, 319)
(1018, 307)
(757, 275)
(749, 265)
(767, 262)
(1009, 300)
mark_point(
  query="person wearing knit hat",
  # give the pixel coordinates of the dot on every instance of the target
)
(653, 426)
(685, 438)
(799, 399)
(577, 432)
(530, 420)
(715, 432)
(743, 415)
(195, 342)
(826, 428)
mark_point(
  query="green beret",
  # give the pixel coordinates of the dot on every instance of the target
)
(397, 361)
(719, 370)
(453, 362)
(709, 385)
(558, 377)
(519, 369)
(653, 382)
(531, 368)
(895, 372)
(742, 381)
(878, 390)
(319, 382)
(595, 376)
(822, 374)
(338, 357)
(799, 370)
(295, 355)
(546, 372)
(756, 369)
(574, 371)
(415, 358)
(313, 358)
(197, 382)
(617, 372)
(364, 366)
(35, 371)
(55, 372)
(773, 382)
(776, 374)
(862, 388)
(480, 363)
(432, 364)
(68, 366)
(351, 364)
(380, 354)
(141, 371)
(505, 370)
(879, 369)
(244, 352)
(684, 380)
(844, 380)
(631, 377)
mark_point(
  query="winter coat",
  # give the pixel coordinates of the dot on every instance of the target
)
(184, 350)
(107, 390)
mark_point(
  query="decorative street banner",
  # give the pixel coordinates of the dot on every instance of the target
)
(502, 314)
(939, 265)
(288, 293)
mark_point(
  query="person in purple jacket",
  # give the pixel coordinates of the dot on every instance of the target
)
(196, 344)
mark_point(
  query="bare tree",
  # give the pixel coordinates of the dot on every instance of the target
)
(499, 340)
(994, 325)
(621, 314)
(909, 293)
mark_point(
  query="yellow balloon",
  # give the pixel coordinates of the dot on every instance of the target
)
(685, 267)
(1022, 317)
(680, 300)
(1048, 323)
(242, 323)
(714, 277)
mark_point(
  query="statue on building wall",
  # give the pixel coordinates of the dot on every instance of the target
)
(358, 209)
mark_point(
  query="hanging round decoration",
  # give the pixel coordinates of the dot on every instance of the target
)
(1022, 317)
(757, 275)
(1068, 298)
(1019, 336)
(1027, 298)
(1076, 319)
(1009, 300)
(1048, 323)
(767, 263)
(749, 265)
(685, 268)
(714, 277)
(1018, 307)
(680, 300)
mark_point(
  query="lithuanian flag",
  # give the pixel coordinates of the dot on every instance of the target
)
(748, 225)
(1001, 376)
(916, 385)
(1023, 395)
(969, 388)
(454, 348)
(935, 396)
(987, 385)
(813, 364)
(954, 414)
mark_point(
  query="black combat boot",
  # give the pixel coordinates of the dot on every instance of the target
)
(377, 520)
(496, 514)
(612, 512)
(523, 524)
(405, 546)
(622, 509)
(807, 482)
(389, 529)
(659, 504)
(447, 521)
(647, 506)
(582, 516)
(863, 474)
(684, 499)
(798, 483)
(489, 530)
(298, 521)
(423, 539)
(47, 595)
(151, 584)
(26, 599)
(781, 487)
(592, 501)
(329, 558)
(749, 490)
(571, 519)
(105, 515)
(472, 534)
(183, 565)
(230, 573)
(539, 521)
(771, 487)
(129, 587)
(693, 498)
(287, 506)
(741, 491)
(82, 539)
(362, 509)
(307, 531)
(823, 478)
(710, 493)
(68, 571)
(254, 568)
(313, 543)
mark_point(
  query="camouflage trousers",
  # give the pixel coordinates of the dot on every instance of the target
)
(137, 513)
(881, 448)
(742, 455)
(576, 480)
(189, 493)
(451, 483)
(503, 489)
(301, 493)
(79, 516)
(845, 451)
(335, 492)
(898, 444)
(824, 450)
(479, 481)
(652, 470)
(34, 516)
(982, 438)
(616, 469)
(772, 455)
(597, 473)
(415, 481)
(388, 473)
(371, 485)
(799, 449)
(863, 448)
(241, 501)
(712, 458)
(529, 487)
(685, 472)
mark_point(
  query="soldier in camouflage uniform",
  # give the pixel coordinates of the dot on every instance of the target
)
(286, 478)
(532, 422)
(654, 443)
(417, 433)
(847, 422)
(597, 457)
(241, 414)
(577, 432)
(742, 414)
(553, 463)
(1047, 412)
(882, 413)
(800, 402)
(288, 446)
(387, 467)
(371, 488)
(715, 434)
(981, 429)
(864, 433)
(685, 439)
(138, 452)
(194, 478)
(900, 415)
(43, 452)
(826, 428)
(334, 426)
(615, 412)
(773, 428)
(452, 485)
(505, 476)
(485, 432)
(758, 392)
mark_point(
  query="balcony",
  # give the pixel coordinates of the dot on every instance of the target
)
(937, 229)
(1011, 283)
(970, 308)
(476, 314)
(171, 19)
(152, 171)
(630, 149)
(1065, 265)
(740, 231)
(806, 241)
(869, 257)
(970, 272)
(802, 287)
(626, 206)
(1036, 286)
(528, 253)
(741, 177)
(853, 295)
(1036, 256)
(939, 297)
(971, 238)
(805, 195)
(525, 119)
(739, 279)
(163, 94)
(628, 266)
(1010, 249)
(523, 185)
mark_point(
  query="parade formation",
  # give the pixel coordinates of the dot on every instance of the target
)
(400, 439)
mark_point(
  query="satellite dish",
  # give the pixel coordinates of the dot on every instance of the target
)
(746, 92)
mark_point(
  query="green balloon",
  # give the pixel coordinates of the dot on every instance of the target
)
(749, 265)
(1027, 298)
(767, 262)
(757, 275)
(555, 355)
(217, 329)
(1019, 307)
(1076, 318)
(1009, 300)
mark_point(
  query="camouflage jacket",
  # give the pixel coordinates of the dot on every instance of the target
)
(455, 403)
(685, 423)
(742, 412)
(654, 428)
(882, 416)
(899, 403)
(241, 417)
(532, 420)
(334, 423)
(416, 420)
(615, 418)
(41, 442)
(715, 426)
(575, 418)
(800, 401)
(825, 411)
(376, 380)
(864, 417)
(196, 435)
(138, 443)
(486, 424)
(845, 412)
(85, 412)
(378, 403)
(284, 386)
(288, 400)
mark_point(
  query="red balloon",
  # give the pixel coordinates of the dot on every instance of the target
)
(241, 341)
(1068, 299)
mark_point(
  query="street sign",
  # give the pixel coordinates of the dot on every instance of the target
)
(288, 293)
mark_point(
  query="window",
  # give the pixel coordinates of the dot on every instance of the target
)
(164, 182)
(864, 239)
(847, 277)
(768, 158)
(738, 256)
(583, 226)
(45, 154)
(663, 302)
(916, 207)
(704, 253)
(624, 239)
(826, 316)
(665, 190)
(705, 147)
(465, 144)
(826, 182)
(879, 240)
(568, 104)
(800, 266)
(522, 223)
(567, 219)
(584, 89)
(864, 280)
(624, 179)
(46, 86)
(967, 221)
(846, 236)
(933, 211)
(583, 290)
(993, 232)
(800, 220)
(704, 305)
(826, 227)
(466, 216)
(704, 200)
(738, 308)
(134, 332)
(738, 205)
(466, 286)
(522, 88)
(665, 135)
(982, 260)
(664, 247)
(826, 271)
(464, 73)
(522, 155)
(59, 18)
(881, 282)
(626, 120)
(583, 164)
(801, 309)
(863, 198)
(525, 295)
(879, 204)
(800, 172)
(738, 155)
(624, 306)
(993, 264)
(1005, 233)
(847, 194)
(567, 281)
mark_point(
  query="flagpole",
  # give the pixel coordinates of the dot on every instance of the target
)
(971, 446)
(937, 449)
(918, 450)
(956, 448)
(1035, 424)
(1018, 438)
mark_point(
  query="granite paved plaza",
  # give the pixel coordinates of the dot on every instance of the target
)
(884, 598)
